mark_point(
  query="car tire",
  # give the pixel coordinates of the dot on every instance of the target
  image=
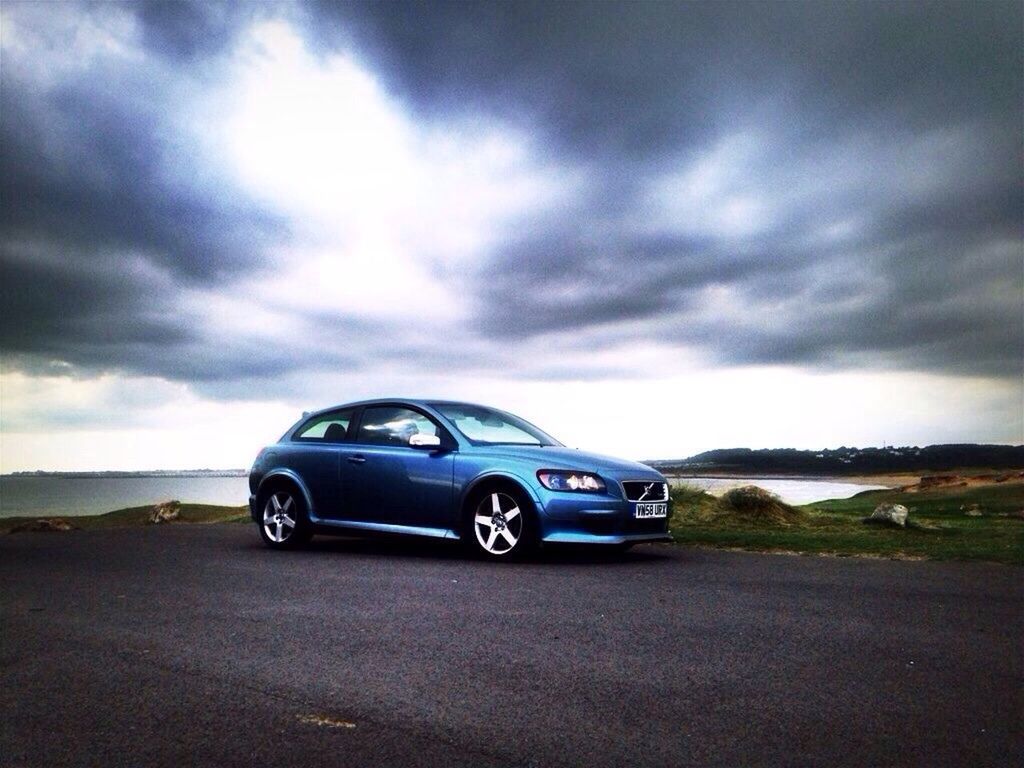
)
(284, 522)
(500, 524)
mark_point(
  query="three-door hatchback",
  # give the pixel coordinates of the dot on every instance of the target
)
(449, 470)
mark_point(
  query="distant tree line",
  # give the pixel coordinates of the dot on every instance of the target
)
(121, 474)
(848, 461)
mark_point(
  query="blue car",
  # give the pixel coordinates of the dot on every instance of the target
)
(449, 470)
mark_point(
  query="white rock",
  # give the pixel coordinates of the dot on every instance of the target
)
(164, 513)
(892, 513)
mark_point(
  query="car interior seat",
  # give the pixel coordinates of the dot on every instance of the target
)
(335, 433)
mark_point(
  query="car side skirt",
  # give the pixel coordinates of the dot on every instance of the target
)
(362, 525)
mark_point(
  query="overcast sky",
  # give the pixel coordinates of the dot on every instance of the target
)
(651, 228)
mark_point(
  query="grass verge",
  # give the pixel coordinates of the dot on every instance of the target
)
(942, 531)
(135, 516)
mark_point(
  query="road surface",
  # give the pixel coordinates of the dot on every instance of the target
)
(194, 645)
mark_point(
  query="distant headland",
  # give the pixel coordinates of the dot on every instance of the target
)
(847, 461)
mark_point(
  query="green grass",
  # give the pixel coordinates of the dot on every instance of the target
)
(943, 531)
(134, 516)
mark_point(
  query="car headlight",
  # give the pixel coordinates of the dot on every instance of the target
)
(559, 480)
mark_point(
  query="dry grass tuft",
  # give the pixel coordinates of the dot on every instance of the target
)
(756, 503)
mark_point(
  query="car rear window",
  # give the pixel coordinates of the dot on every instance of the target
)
(326, 428)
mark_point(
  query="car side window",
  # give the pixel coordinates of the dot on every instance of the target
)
(394, 425)
(326, 428)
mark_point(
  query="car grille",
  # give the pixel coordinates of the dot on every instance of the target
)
(641, 491)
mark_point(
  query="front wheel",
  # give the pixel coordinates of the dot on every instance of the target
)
(284, 524)
(501, 525)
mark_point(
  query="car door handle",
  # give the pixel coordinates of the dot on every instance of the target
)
(357, 459)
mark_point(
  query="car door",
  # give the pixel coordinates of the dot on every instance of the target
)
(317, 456)
(389, 481)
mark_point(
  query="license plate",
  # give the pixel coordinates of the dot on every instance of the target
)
(647, 509)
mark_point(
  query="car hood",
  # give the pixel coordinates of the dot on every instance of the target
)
(554, 457)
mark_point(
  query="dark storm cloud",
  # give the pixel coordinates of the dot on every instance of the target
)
(883, 144)
(905, 118)
(57, 308)
(102, 317)
(84, 168)
(191, 31)
(629, 78)
(108, 216)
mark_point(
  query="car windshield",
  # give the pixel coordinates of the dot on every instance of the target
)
(486, 426)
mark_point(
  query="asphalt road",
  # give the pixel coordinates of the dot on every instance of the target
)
(194, 645)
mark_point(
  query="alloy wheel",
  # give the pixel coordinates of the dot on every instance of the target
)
(279, 517)
(498, 523)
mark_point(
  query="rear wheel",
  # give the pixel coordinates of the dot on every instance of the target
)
(283, 523)
(501, 524)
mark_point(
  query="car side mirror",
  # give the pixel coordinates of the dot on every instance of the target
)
(429, 442)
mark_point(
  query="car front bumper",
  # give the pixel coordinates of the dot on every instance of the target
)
(584, 519)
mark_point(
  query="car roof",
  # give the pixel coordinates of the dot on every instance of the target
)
(421, 402)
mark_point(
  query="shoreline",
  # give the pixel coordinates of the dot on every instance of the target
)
(125, 475)
(896, 480)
